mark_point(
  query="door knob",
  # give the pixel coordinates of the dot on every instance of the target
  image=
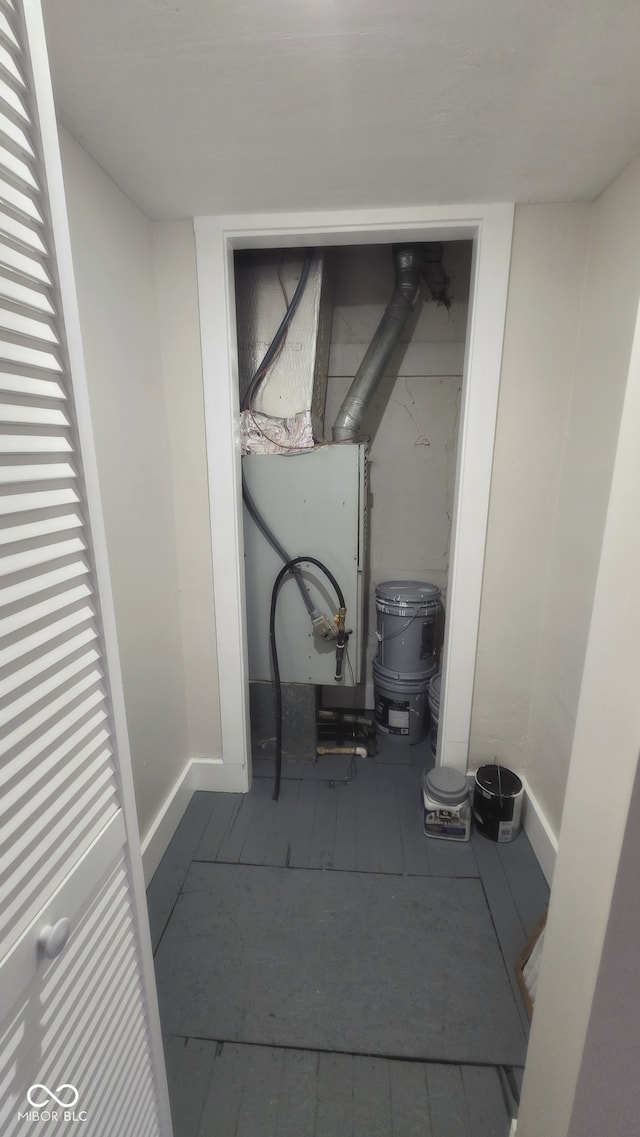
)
(53, 938)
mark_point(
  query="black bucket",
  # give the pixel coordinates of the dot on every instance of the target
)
(497, 803)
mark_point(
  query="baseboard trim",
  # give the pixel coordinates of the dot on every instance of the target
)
(540, 833)
(198, 774)
(537, 827)
(221, 777)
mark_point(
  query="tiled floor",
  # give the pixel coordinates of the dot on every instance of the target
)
(339, 816)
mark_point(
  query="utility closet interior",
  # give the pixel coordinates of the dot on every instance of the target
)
(350, 375)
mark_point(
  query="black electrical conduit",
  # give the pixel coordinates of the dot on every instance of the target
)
(289, 567)
(276, 546)
(249, 395)
(279, 336)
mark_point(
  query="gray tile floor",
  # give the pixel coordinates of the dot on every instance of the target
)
(341, 816)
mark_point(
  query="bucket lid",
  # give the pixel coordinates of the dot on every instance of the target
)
(407, 591)
(498, 780)
(435, 687)
(386, 675)
(445, 784)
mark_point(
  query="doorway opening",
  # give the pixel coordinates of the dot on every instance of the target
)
(375, 504)
(488, 228)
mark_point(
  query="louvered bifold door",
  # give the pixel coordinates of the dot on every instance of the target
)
(77, 1018)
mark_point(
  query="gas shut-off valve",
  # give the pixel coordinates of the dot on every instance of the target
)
(328, 629)
(343, 636)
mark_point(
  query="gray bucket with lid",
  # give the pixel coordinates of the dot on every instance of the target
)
(408, 631)
(401, 704)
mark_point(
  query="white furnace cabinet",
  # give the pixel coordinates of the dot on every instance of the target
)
(316, 504)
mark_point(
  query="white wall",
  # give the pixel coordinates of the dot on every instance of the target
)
(181, 365)
(607, 1096)
(112, 246)
(543, 309)
(603, 769)
(574, 287)
(610, 301)
(413, 420)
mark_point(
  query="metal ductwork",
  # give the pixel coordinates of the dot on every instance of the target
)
(411, 263)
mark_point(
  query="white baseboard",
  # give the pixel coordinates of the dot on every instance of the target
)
(538, 829)
(221, 777)
(198, 774)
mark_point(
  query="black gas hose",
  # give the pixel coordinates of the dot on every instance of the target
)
(340, 645)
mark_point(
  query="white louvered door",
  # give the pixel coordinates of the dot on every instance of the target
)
(79, 1032)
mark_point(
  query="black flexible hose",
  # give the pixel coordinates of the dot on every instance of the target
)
(290, 565)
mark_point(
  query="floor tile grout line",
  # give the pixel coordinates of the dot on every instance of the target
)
(183, 875)
(280, 1095)
(428, 1097)
(315, 1112)
(512, 893)
(313, 830)
(465, 1098)
(246, 836)
(511, 980)
(217, 1054)
(167, 921)
(231, 820)
(510, 1096)
(324, 868)
(409, 1059)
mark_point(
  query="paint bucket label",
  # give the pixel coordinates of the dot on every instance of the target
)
(441, 823)
(428, 645)
(392, 715)
(509, 829)
(451, 824)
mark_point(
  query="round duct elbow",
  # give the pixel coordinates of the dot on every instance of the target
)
(408, 265)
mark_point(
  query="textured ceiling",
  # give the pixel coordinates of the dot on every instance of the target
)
(206, 106)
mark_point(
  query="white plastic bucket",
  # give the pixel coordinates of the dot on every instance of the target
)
(408, 625)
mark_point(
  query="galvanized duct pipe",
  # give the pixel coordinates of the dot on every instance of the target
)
(409, 262)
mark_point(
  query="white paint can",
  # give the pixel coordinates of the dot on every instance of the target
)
(446, 805)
